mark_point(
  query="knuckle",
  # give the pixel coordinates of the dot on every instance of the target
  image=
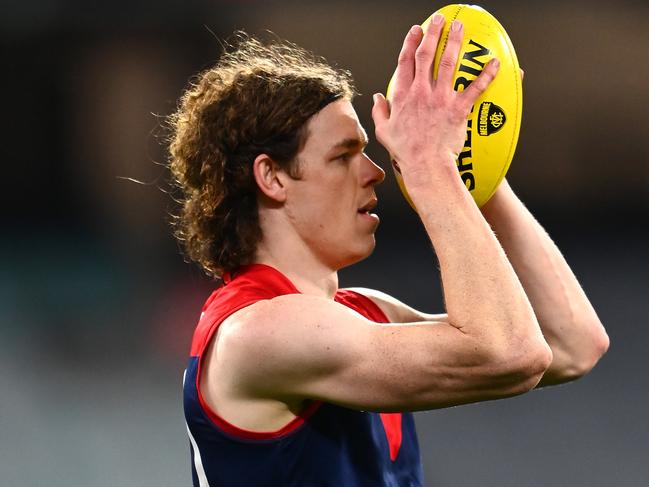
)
(420, 88)
(397, 96)
(481, 83)
(447, 62)
(459, 113)
(405, 57)
(423, 52)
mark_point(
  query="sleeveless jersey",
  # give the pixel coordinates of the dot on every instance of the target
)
(324, 446)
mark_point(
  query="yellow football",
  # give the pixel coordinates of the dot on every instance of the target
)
(495, 119)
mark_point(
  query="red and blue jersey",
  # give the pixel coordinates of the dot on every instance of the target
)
(325, 445)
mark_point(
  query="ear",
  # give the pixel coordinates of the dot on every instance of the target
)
(269, 178)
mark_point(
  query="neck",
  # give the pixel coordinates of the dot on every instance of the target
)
(307, 274)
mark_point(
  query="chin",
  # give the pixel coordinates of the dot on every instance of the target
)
(359, 254)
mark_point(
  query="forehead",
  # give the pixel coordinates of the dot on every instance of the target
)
(335, 122)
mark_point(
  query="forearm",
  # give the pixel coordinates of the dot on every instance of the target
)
(568, 321)
(424, 128)
(482, 293)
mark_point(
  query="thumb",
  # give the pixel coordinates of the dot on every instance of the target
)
(380, 110)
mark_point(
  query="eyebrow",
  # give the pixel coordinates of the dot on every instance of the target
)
(350, 143)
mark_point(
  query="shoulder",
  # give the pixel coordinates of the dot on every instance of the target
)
(396, 310)
(276, 328)
(269, 316)
(275, 346)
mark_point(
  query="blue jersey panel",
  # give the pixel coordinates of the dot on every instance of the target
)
(332, 446)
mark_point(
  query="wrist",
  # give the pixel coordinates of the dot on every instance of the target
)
(499, 201)
(432, 177)
(442, 197)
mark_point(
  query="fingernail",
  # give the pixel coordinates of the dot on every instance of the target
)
(456, 25)
(375, 97)
(414, 29)
(496, 62)
(438, 19)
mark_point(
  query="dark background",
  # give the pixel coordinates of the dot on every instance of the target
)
(97, 306)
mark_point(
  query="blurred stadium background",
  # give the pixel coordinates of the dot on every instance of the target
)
(97, 306)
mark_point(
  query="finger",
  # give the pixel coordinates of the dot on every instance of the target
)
(380, 114)
(448, 61)
(425, 54)
(522, 74)
(406, 64)
(481, 83)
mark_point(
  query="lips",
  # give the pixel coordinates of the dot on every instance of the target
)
(369, 206)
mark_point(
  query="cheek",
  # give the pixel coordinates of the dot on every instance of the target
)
(326, 207)
(311, 217)
(327, 223)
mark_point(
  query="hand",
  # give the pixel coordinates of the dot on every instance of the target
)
(424, 127)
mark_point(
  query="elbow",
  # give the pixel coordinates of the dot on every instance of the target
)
(602, 342)
(541, 361)
(598, 347)
(590, 353)
(575, 362)
(531, 367)
(520, 369)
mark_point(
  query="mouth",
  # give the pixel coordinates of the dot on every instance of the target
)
(365, 212)
(368, 207)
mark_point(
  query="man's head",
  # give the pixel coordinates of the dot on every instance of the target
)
(256, 100)
(322, 220)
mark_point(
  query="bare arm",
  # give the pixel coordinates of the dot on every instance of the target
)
(297, 347)
(483, 295)
(568, 321)
(490, 345)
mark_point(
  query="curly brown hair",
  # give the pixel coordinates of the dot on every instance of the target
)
(255, 100)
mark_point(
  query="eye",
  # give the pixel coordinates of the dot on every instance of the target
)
(344, 157)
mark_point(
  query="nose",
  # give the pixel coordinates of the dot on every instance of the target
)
(372, 174)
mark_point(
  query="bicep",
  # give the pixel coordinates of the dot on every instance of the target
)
(314, 348)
